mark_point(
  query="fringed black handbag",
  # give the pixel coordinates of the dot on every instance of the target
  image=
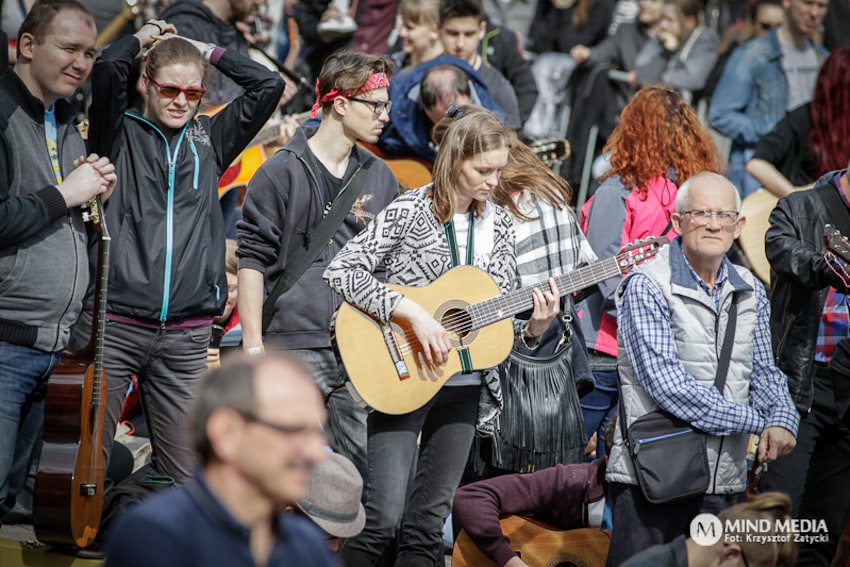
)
(541, 423)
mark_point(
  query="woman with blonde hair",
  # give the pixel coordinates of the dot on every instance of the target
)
(418, 238)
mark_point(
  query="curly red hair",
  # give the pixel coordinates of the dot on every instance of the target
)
(658, 132)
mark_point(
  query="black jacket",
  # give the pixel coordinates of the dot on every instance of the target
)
(500, 49)
(800, 278)
(166, 223)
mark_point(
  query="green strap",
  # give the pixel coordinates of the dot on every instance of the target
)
(463, 353)
(470, 241)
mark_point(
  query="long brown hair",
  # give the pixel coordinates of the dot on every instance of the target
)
(473, 130)
(525, 171)
(659, 131)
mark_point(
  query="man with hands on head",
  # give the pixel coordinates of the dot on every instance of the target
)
(44, 178)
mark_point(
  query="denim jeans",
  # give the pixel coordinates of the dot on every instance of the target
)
(599, 406)
(23, 386)
(169, 365)
(447, 425)
(346, 418)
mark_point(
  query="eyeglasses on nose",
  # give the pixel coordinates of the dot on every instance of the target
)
(173, 91)
(702, 218)
(378, 106)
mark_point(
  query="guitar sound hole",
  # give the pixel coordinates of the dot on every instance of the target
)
(457, 322)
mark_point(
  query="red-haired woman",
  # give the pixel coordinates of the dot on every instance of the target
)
(812, 139)
(658, 144)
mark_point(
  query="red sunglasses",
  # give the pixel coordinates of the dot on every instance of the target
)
(171, 91)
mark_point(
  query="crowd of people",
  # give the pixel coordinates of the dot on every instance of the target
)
(141, 123)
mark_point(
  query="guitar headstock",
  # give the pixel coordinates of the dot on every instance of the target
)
(836, 242)
(93, 213)
(551, 151)
(638, 251)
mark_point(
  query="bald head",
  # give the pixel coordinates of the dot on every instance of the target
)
(707, 180)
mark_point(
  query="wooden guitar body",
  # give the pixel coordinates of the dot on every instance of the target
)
(69, 484)
(539, 545)
(362, 347)
(384, 362)
(71, 468)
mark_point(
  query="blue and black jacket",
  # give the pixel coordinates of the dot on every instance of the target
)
(167, 260)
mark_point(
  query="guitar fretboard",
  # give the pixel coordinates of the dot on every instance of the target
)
(493, 310)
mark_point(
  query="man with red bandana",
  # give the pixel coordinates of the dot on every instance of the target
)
(286, 199)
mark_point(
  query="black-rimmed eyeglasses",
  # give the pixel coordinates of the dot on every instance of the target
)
(378, 106)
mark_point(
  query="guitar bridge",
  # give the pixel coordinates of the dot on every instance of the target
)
(88, 489)
(395, 352)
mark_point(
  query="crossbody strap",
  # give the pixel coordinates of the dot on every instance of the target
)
(726, 349)
(722, 363)
(319, 238)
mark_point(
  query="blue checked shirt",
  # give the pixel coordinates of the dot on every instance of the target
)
(645, 328)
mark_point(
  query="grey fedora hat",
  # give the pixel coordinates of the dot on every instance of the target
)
(333, 501)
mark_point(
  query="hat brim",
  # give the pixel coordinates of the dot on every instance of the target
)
(342, 530)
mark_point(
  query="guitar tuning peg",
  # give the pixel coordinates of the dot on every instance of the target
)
(86, 216)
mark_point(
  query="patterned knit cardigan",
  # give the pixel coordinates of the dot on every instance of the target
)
(411, 244)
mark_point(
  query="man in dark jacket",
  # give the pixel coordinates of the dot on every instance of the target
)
(500, 49)
(809, 316)
(43, 260)
(286, 200)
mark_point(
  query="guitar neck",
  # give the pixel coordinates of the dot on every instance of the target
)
(101, 285)
(507, 305)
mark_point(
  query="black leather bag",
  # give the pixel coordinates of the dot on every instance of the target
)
(669, 454)
(669, 457)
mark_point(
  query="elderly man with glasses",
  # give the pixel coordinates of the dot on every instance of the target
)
(673, 317)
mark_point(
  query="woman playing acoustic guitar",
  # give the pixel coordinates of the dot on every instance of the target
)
(418, 238)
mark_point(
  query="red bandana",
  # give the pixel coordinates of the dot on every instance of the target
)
(376, 81)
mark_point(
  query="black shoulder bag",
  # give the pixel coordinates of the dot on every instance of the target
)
(319, 238)
(669, 454)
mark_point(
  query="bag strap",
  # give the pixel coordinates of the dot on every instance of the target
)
(832, 204)
(726, 349)
(319, 237)
(722, 363)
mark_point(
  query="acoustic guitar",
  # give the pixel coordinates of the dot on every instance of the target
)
(757, 207)
(385, 364)
(539, 545)
(68, 499)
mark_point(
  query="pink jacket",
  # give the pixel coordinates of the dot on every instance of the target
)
(642, 216)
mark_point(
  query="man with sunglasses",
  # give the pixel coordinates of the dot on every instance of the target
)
(257, 427)
(287, 198)
(673, 314)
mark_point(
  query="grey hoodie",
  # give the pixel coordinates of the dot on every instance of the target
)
(285, 202)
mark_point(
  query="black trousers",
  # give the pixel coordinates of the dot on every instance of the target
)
(640, 524)
(816, 474)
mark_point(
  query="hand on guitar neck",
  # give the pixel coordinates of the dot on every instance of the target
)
(92, 176)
